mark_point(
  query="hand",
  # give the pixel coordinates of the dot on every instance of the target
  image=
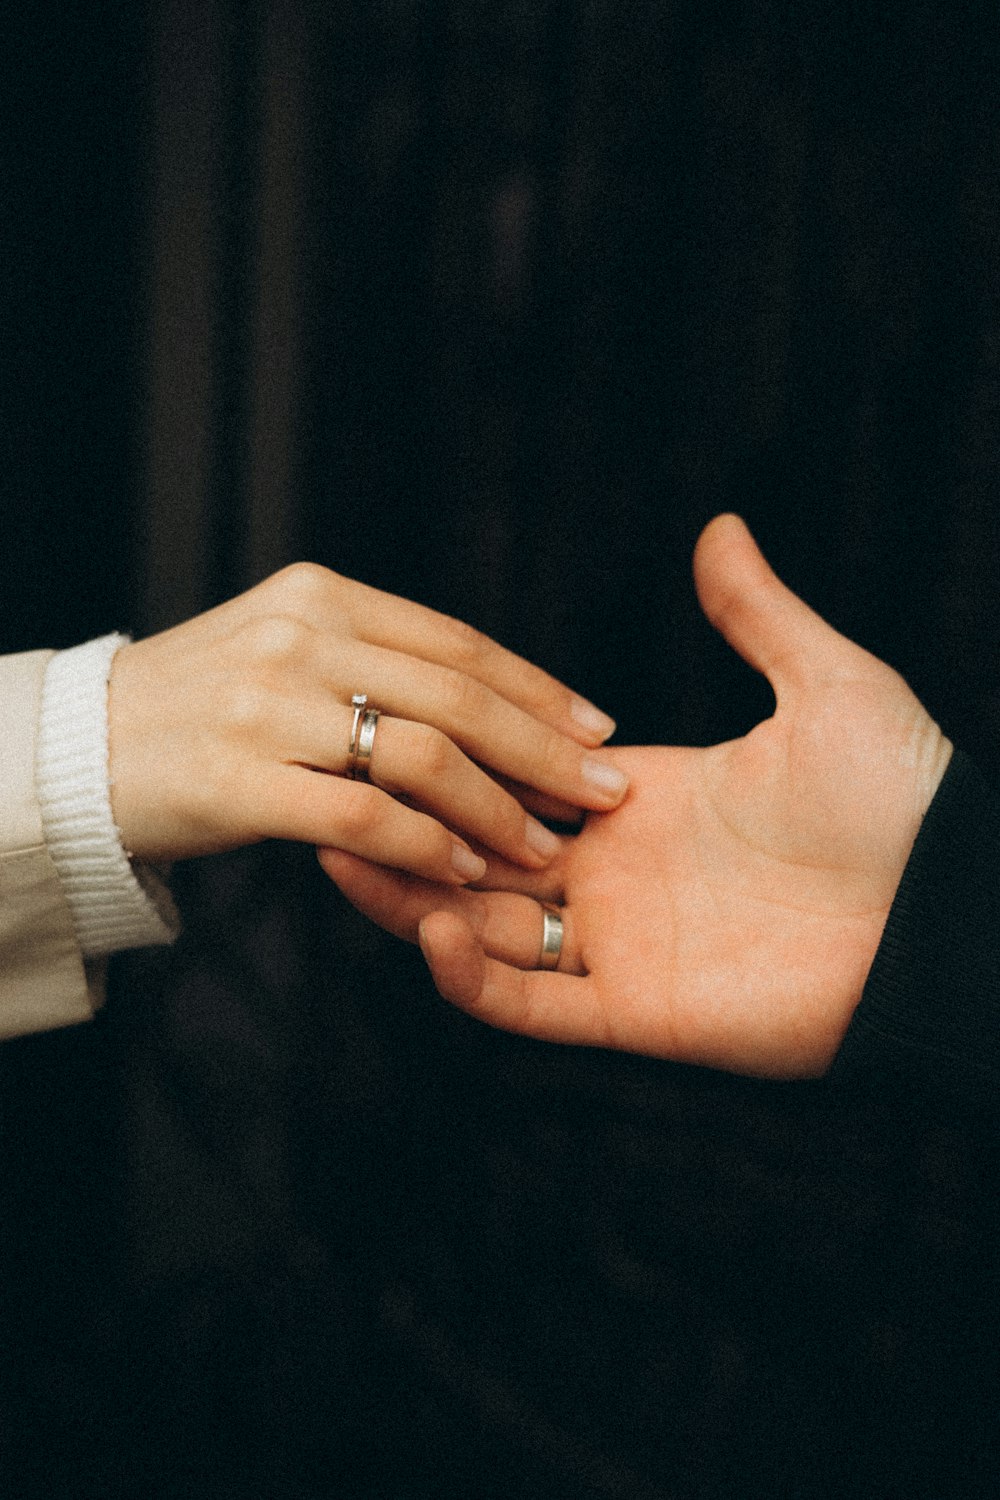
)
(236, 726)
(728, 912)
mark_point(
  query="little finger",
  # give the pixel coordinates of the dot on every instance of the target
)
(313, 807)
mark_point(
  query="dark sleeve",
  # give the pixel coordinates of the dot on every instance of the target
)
(928, 1024)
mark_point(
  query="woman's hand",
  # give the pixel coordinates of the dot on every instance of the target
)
(236, 727)
(728, 912)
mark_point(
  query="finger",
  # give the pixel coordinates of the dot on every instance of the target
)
(422, 763)
(391, 622)
(419, 763)
(549, 809)
(484, 722)
(333, 604)
(509, 927)
(329, 602)
(547, 886)
(551, 1007)
(313, 808)
(771, 628)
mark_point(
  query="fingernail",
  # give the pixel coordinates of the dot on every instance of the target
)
(604, 778)
(540, 838)
(590, 718)
(467, 866)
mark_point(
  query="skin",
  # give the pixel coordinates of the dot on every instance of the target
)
(235, 727)
(727, 913)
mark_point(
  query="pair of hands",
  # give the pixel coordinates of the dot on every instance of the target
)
(727, 913)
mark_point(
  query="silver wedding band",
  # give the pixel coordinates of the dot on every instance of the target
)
(363, 727)
(552, 938)
(358, 703)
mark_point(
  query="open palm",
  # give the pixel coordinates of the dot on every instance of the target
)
(728, 912)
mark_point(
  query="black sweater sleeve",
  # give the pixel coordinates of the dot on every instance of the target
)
(928, 1024)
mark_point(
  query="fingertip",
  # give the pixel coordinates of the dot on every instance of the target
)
(453, 956)
(440, 931)
(719, 540)
(543, 844)
(356, 878)
(608, 782)
(426, 941)
(465, 866)
(334, 862)
(591, 724)
(727, 521)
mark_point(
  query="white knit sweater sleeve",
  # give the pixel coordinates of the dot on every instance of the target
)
(115, 902)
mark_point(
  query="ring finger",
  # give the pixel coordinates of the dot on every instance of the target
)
(488, 727)
(421, 764)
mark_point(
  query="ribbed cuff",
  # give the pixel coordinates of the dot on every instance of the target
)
(115, 903)
(928, 1024)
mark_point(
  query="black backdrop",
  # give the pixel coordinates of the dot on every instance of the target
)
(544, 288)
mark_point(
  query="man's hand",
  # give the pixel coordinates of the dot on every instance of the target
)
(728, 912)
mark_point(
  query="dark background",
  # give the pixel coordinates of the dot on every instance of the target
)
(494, 306)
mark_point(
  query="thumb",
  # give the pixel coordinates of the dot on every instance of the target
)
(764, 621)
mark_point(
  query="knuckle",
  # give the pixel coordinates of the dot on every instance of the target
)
(550, 758)
(432, 752)
(464, 643)
(246, 706)
(465, 698)
(276, 639)
(357, 811)
(301, 583)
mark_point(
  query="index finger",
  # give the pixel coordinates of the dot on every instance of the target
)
(390, 621)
